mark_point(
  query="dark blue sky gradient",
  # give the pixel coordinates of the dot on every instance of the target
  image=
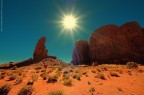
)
(25, 21)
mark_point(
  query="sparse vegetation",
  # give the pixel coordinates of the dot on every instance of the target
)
(67, 82)
(12, 77)
(89, 83)
(114, 74)
(34, 77)
(129, 73)
(30, 82)
(4, 90)
(14, 68)
(2, 77)
(101, 76)
(77, 76)
(93, 70)
(120, 89)
(26, 90)
(38, 67)
(92, 90)
(19, 80)
(44, 75)
(52, 79)
(55, 93)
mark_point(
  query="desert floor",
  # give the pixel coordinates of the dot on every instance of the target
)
(73, 80)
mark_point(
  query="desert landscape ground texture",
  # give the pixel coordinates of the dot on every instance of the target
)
(57, 78)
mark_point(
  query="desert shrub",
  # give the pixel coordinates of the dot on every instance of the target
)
(129, 73)
(43, 70)
(26, 90)
(89, 83)
(65, 77)
(140, 70)
(30, 82)
(4, 90)
(59, 68)
(14, 68)
(37, 71)
(38, 67)
(19, 80)
(114, 74)
(19, 72)
(101, 76)
(84, 72)
(55, 93)
(4, 73)
(132, 65)
(67, 82)
(76, 71)
(44, 75)
(65, 72)
(92, 90)
(12, 77)
(52, 79)
(120, 89)
(2, 77)
(34, 77)
(86, 75)
(77, 76)
(93, 70)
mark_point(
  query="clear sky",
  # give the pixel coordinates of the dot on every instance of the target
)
(25, 21)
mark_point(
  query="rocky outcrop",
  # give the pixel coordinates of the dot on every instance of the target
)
(80, 53)
(114, 44)
(40, 51)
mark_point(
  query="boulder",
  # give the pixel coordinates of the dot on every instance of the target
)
(40, 51)
(80, 53)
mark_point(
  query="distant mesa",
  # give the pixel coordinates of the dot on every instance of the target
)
(111, 44)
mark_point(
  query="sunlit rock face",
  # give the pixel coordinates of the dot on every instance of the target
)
(111, 44)
(40, 51)
(114, 44)
(80, 53)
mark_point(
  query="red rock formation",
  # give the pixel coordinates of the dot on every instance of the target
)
(113, 44)
(110, 43)
(80, 53)
(40, 52)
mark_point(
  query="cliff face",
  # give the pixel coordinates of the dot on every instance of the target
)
(114, 44)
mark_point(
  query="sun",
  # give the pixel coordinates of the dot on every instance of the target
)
(69, 22)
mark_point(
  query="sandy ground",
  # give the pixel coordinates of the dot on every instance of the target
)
(129, 82)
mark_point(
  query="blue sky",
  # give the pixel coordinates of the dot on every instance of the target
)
(25, 21)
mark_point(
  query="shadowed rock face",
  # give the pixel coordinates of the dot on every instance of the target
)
(40, 51)
(80, 53)
(114, 44)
